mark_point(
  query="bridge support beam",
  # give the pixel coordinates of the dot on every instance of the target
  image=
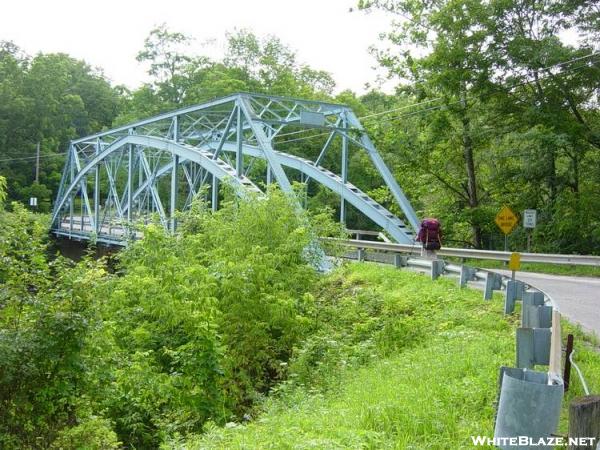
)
(214, 203)
(97, 192)
(174, 178)
(344, 164)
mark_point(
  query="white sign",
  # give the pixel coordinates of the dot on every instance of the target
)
(312, 118)
(32, 201)
(529, 218)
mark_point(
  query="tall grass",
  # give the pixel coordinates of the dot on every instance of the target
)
(433, 391)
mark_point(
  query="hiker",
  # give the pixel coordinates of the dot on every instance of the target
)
(430, 237)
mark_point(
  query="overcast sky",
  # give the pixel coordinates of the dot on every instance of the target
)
(109, 33)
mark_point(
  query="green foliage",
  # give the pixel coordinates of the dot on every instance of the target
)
(506, 118)
(362, 315)
(2, 191)
(378, 372)
(159, 344)
(194, 330)
(50, 99)
(93, 434)
(435, 389)
(46, 311)
(197, 327)
(250, 64)
(191, 328)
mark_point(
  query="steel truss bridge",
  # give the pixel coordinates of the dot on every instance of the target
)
(115, 180)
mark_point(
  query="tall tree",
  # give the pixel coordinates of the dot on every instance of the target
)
(511, 111)
(164, 51)
(50, 99)
(441, 57)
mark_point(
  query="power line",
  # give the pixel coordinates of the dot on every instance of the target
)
(562, 63)
(399, 109)
(515, 85)
(433, 108)
(25, 158)
(570, 61)
(412, 105)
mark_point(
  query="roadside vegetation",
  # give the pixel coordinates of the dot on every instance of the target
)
(435, 389)
(225, 336)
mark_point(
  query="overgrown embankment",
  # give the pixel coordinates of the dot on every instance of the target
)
(225, 336)
(406, 363)
(396, 361)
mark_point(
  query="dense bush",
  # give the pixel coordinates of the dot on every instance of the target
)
(189, 329)
(199, 326)
(46, 311)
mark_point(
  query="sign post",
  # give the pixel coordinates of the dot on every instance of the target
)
(514, 264)
(506, 221)
(529, 222)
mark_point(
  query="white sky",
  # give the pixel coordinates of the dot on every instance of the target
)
(109, 33)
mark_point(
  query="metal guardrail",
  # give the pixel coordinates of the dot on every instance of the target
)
(578, 260)
(529, 401)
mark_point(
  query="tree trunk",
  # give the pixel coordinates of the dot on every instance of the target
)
(470, 169)
(552, 179)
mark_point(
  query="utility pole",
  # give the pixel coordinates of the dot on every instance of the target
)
(37, 163)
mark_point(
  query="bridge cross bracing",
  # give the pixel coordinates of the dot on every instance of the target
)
(117, 179)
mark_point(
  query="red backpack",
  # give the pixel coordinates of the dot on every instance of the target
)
(430, 234)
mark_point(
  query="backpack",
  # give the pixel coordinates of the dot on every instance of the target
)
(430, 234)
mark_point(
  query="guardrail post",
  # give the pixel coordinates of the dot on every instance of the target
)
(497, 281)
(533, 347)
(555, 346)
(512, 287)
(535, 314)
(491, 283)
(361, 254)
(437, 268)
(528, 406)
(400, 261)
(567, 369)
(466, 275)
(509, 297)
(520, 290)
(533, 298)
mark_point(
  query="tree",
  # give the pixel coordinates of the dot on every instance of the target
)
(167, 63)
(443, 59)
(509, 116)
(50, 99)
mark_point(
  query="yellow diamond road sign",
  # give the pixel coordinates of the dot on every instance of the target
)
(506, 220)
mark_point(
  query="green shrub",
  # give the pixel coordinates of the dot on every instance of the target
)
(93, 434)
(46, 310)
(199, 326)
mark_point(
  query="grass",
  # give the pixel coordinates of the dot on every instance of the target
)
(432, 389)
(587, 357)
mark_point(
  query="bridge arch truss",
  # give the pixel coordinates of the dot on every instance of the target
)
(117, 179)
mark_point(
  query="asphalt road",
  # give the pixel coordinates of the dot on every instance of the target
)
(577, 298)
